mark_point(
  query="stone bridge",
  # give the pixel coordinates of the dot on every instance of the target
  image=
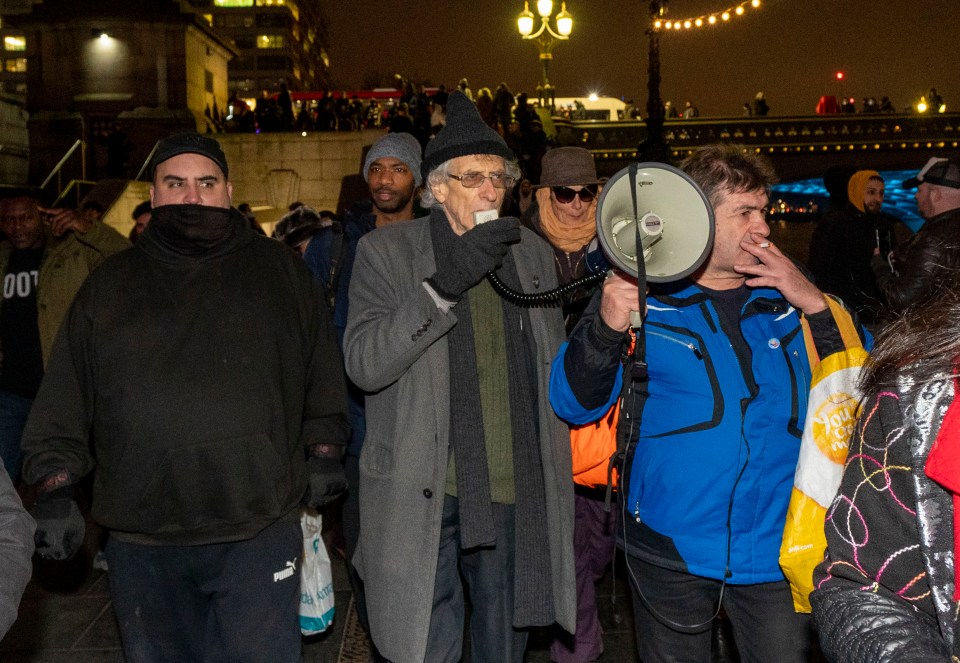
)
(800, 147)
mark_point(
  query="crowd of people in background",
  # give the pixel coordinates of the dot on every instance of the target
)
(367, 351)
(423, 108)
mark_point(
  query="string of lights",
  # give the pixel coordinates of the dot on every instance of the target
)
(707, 20)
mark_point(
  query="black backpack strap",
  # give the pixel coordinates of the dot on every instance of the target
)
(336, 257)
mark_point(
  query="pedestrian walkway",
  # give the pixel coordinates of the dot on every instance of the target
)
(66, 617)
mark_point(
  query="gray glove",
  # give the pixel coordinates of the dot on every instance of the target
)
(60, 525)
(475, 253)
(325, 481)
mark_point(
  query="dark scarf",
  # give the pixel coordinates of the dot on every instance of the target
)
(533, 597)
(196, 231)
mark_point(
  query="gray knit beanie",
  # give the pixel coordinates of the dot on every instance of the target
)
(402, 146)
(464, 134)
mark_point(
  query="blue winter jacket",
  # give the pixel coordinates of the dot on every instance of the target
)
(719, 431)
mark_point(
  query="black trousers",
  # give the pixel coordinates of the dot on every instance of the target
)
(230, 602)
(673, 618)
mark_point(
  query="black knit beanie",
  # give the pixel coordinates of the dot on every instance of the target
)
(464, 134)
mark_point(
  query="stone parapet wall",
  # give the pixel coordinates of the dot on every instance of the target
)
(271, 170)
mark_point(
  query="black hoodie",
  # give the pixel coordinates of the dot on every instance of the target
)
(198, 365)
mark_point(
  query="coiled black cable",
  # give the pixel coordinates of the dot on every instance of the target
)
(548, 299)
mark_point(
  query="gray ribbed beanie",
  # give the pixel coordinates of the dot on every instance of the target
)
(464, 134)
(402, 146)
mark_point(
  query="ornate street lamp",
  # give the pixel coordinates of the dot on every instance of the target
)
(545, 39)
(654, 148)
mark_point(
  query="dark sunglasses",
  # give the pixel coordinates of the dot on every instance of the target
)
(565, 194)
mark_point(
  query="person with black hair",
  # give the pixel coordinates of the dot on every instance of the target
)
(887, 590)
(141, 219)
(47, 256)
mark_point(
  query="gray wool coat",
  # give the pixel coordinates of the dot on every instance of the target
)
(396, 350)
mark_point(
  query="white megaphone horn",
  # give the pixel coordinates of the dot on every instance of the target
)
(654, 223)
(667, 211)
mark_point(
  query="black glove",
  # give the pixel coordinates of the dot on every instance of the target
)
(325, 481)
(474, 253)
(60, 525)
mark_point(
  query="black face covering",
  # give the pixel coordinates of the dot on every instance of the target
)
(193, 229)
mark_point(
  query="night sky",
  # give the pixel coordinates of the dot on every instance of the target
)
(789, 49)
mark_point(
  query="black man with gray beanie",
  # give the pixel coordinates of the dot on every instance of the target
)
(465, 469)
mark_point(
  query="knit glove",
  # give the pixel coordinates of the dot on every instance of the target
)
(325, 478)
(473, 254)
(60, 525)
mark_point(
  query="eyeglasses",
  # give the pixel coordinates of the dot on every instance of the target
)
(475, 180)
(565, 194)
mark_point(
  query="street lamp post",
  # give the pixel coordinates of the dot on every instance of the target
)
(545, 38)
(654, 147)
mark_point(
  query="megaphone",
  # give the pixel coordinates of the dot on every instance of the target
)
(655, 212)
(649, 205)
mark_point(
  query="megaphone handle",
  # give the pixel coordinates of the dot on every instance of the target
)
(636, 319)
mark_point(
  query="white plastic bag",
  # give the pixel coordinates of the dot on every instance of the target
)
(316, 577)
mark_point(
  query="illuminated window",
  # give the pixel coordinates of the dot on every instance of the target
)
(270, 3)
(14, 43)
(208, 18)
(233, 3)
(15, 65)
(270, 41)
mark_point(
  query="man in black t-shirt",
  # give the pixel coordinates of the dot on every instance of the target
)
(48, 252)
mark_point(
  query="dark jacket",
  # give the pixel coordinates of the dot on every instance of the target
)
(67, 261)
(358, 220)
(841, 252)
(200, 373)
(884, 592)
(924, 264)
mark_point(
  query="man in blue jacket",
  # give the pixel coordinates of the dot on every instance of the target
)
(712, 431)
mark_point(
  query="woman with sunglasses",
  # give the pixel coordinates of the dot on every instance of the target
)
(563, 213)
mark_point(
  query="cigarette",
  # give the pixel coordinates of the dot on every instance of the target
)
(764, 245)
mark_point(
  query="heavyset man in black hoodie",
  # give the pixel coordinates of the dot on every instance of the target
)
(199, 373)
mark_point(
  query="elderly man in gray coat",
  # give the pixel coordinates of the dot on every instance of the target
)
(465, 469)
(16, 549)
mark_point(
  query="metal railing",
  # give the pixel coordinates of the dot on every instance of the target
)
(57, 170)
(73, 185)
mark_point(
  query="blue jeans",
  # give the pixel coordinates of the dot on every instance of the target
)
(222, 602)
(13, 418)
(765, 627)
(488, 574)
